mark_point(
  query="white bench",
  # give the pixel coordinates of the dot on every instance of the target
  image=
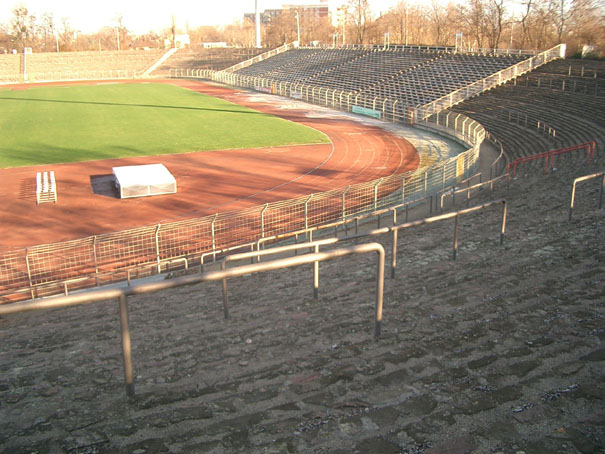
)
(46, 188)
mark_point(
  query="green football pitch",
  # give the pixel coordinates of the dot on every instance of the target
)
(45, 125)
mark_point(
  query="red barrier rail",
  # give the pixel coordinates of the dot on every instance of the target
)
(548, 156)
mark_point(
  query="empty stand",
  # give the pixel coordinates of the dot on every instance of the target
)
(575, 116)
(198, 57)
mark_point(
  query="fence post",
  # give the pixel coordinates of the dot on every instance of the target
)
(307, 213)
(376, 193)
(213, 234)
(344, 207)
(94, 254)
(157, 246)
(262, 220)
(29, 273)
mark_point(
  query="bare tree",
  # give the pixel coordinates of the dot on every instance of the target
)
(67, 35)
(122, 38)
(494, 17)
(20, 28)
(47, 27)
(525, 18)
(438, 17)
(359, 16)
(474, 23)
(562, 12)
(281, 30)
(316, 29)
(399, 15)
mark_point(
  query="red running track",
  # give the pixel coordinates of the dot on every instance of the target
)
(208, 182)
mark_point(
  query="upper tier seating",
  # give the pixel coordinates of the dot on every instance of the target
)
(411, 76)
(198, 57)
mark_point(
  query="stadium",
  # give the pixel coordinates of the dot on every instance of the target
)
(455, 169)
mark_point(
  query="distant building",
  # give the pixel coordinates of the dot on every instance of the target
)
(181, 41)
(266, 17)
(311, 9)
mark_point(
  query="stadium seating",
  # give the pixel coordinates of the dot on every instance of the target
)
(52, 66)
(10, 68)
(414, 77)
(198, 57)
(511, 113)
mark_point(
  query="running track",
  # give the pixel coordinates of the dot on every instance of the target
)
(208, 182)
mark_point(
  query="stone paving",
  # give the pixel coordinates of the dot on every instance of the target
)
(500, 351)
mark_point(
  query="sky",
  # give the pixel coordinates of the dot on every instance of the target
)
(142, 16)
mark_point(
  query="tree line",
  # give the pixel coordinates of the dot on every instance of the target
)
(471, 24)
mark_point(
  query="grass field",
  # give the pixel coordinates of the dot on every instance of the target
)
(44, 125)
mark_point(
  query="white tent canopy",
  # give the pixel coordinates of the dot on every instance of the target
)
(144, 180)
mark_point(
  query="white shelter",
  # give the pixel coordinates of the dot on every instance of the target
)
(144, 180)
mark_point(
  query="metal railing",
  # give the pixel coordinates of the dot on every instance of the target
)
(452, 193)
(562, 84)
(584, 178)
(261, 57)
(313, 245)
(549, 156)
(67, 75)
(454, 214)
(523, 119)
(121, 294)
(491, 81)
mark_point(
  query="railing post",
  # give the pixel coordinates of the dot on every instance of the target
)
(224, 285)
(316, 275)
(601, 191)
(379, 291)
(126, 346)
(394, 253)
(426, 182)
(455, 237)
(503, 227)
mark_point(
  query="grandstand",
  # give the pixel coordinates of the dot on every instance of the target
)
(412, 76)
(199, 57)
(51, 66)
(498, 351)
(528, 118)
